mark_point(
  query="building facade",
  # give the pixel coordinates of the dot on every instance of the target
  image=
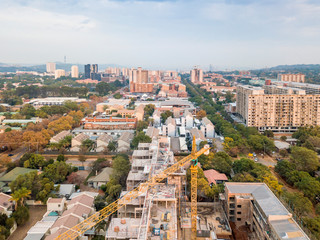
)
(51, 67)
(196, 75)
(74, 71)
(59, 73)
(277, 108)
(292, 77)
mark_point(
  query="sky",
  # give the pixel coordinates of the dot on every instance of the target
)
(161, 34)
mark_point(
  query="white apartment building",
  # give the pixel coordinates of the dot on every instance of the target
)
(59, 73)
(51, 67)
(74, 71)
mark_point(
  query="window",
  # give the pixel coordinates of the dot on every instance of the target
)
(238, 212)
(239, 219)
(238, 206)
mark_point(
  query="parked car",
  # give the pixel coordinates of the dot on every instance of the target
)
(256, 159)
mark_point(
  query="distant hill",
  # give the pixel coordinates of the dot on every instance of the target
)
(42, 68)
(297, 67)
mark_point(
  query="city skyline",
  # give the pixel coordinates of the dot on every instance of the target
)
(159, 34)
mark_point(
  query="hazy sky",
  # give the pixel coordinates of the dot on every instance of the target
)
(172, 34)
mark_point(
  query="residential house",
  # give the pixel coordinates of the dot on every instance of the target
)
(9, 177)
(214, 177)
(102, 178)
(195, 132)
(77, 141)
(152, 132)
(124, 142)
(187, 119)
(65, 190)
(78, 209)
(102, 142)
(58, 137)
(169, 129)
(207, 128)
(6, 204)
(156, 118)
(56, 204)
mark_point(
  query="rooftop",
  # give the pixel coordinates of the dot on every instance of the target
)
(103, 176)
(213, 175)
(14, 173)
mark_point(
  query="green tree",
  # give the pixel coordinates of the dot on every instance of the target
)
(61, 158)
(141, 125)
(268, 133)
(28, 110)
(117, 96)
(57, 172)
(243, 165)
(283, 138)
(112, 146)
(304, 159)
(148, 110)
(35, 161)
(261, 143)
(165, 115)
(300, 204)
(19, 196)
(140, 137)
(87, 144)
(21, 215)
(222, 162)
(121, 167)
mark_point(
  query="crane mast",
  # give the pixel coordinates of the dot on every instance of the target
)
(101, 215)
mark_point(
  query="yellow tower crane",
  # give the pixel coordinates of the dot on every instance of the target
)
(91, 221)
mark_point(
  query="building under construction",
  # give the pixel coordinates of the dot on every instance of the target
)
(161, 212)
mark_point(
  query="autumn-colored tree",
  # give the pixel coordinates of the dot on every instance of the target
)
(77, 116)
(11, 140)
(4, 161)
(75, 178)
(201, 114)
(63, 123)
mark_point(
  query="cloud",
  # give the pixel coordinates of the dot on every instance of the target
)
(165, 33)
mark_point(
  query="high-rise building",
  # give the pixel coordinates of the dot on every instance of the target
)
(139, 80)
(74, 71)
(94, 68)
(196, 75)
(87, 70)
(291, 77)
(51, 67)
(59, 73)
(279, 108)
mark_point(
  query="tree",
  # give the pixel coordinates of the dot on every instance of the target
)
(140, 137)
(283, 138)
(28, 111)
(222, 162)
(268, 133)
(141, 125)
(75, 178)
(121, 167)
(4, 161)
(35, 161)
(57, 172)
(21, 215)
(87, 145)
(61, 158)
(300, 204)
(19, 196)
(165, 115)
(243, 177)
(201, 114)
(82, 159)
(148, 110)
(243, 165)
(305, 159)
(99, 203)
(112, 146)
(283, 152)
(261, 143)
(117, 96)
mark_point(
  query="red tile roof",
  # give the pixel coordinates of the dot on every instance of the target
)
(213, 176)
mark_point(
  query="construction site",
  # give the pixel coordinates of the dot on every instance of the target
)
(161, 203)
(163, 211)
